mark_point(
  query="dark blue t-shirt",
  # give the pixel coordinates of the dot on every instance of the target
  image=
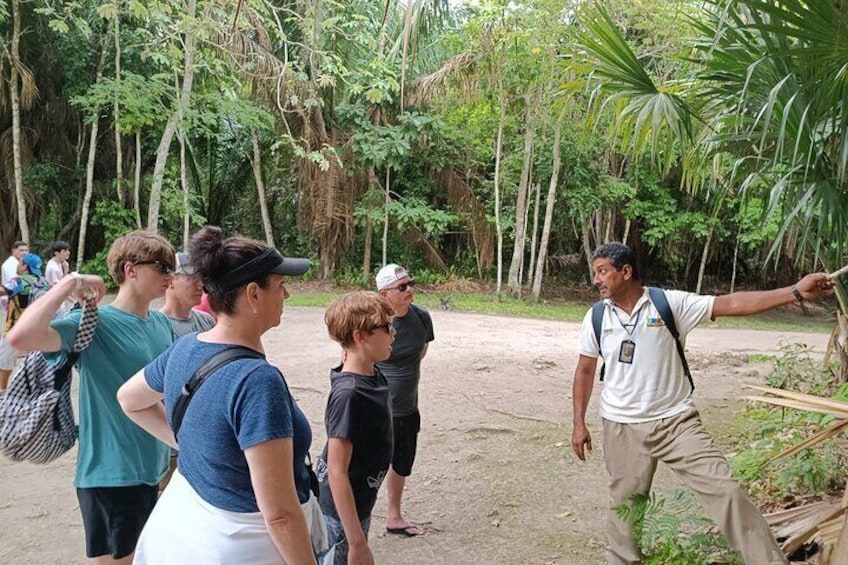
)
(242, 404)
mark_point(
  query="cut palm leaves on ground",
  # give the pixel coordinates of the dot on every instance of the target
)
(824, 522)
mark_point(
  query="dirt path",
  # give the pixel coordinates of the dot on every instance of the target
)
(495, 479)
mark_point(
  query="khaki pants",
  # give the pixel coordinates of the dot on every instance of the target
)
(631, 453)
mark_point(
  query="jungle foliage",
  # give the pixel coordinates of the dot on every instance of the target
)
(491, 140)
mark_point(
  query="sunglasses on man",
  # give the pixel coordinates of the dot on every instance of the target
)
(403, 286)
(163, 267)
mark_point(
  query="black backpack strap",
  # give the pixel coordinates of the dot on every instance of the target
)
(661, 304)
(199, 377)
(597, 324)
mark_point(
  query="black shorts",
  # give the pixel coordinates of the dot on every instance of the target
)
(113, 518)
(406, 442)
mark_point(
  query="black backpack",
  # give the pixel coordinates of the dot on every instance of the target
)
(660, 302)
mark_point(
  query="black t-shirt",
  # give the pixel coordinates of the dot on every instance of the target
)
(359, 410)
(403, 368)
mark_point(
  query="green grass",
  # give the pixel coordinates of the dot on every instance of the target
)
(567, 310)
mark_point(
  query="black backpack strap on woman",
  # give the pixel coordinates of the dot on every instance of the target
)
(199, 377)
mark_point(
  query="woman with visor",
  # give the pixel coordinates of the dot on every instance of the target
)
(241, 490)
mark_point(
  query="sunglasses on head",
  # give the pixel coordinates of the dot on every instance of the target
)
(164, 268)
(403, 286)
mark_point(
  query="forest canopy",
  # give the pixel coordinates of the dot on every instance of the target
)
(491, 140)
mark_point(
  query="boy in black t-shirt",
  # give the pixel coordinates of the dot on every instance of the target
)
(359, 425)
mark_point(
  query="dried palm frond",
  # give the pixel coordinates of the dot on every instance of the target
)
(820, 436)
(800, 401)
(462, 199)
(424, 88)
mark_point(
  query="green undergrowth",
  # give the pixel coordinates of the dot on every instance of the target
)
(671, 529)
(764, 431)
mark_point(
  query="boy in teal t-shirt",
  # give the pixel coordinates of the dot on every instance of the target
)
(119, 465)
(114, 452)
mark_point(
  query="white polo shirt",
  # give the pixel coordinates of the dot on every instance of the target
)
(654, 385)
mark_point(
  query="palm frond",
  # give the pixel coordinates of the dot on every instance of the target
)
(649, 119)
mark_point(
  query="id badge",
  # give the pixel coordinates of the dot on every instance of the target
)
(625, 354)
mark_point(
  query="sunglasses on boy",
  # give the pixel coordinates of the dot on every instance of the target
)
(163, 267)
(403, 286)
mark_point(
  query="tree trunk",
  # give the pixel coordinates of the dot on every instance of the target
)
(366, 254)
(587, 247)
(549, 214)
(387, 199)
(184, 187)
(89, 166)
(608, 227)
(14, 88)
(703, 266)
(735, 258)
(513, 280)
(137, 179)
(498, 152)
(119, 153)
(369, 229)
(260, 189)
(535, 233)
(171, 126)
(627, 224)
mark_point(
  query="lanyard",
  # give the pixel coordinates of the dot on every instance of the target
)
(632, 327)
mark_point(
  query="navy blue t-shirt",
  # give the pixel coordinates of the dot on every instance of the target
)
(242, 404)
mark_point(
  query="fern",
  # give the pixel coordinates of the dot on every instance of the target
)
(670, 530)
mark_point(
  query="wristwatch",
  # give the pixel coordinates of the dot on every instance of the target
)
(797, 294)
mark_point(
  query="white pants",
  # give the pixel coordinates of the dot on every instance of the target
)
(184, 528)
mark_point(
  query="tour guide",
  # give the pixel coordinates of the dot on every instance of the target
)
(646, 403)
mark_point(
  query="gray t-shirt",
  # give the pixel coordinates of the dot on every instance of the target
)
(403, 368)
(196, 322)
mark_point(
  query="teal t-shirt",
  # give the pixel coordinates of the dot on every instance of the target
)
(114, 451)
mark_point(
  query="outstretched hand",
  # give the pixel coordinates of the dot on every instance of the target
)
(815, 285)
(581, 440)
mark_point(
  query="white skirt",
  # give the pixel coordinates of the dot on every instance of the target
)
(184, 528)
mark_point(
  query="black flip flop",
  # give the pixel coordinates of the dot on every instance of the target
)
(408, 531)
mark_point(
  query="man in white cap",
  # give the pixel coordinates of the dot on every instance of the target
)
(414, 331)
(182, 296)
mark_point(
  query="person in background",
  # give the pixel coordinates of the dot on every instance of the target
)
(9, 271)
(359, 425)
(119, 465)
(241, 478)
(647, 407)
(182, 296)
(414, 332)
(21, 291)
(204, 305)
(13, 261)
(57, 268)
(57, 264)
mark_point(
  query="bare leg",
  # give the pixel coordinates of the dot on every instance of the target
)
(394, 517)
(4, 378)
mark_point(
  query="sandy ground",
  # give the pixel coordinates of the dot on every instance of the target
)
(495, 480)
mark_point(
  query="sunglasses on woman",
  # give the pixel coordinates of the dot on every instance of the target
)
(163, 267)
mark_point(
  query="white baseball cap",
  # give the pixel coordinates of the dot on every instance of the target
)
(389, 275)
